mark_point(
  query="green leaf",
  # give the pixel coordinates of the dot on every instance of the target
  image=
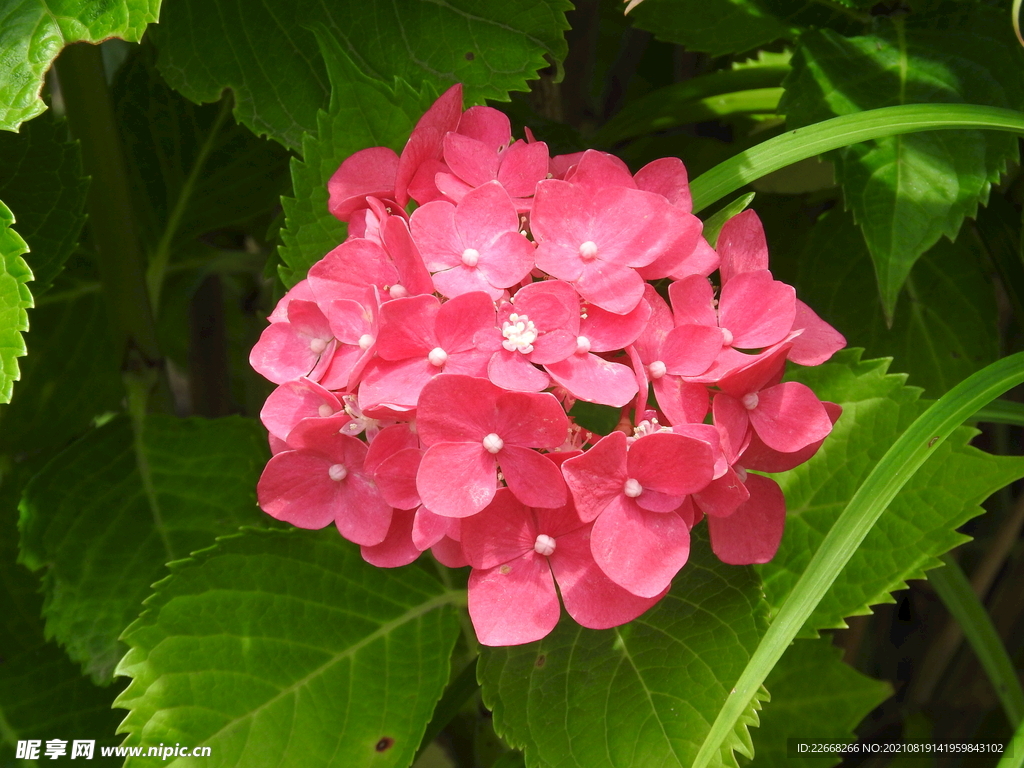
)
(801, 143)
(713, 224)
(285, 648)
(363, 113)
(32, 33)
(940, 497)
(267, 54)
(901, 463)
(711, 26)
(70, 331)
(43, 695)
(43, 181)
(105, 515)
(15, 298)
(908, 191)
(192, 168)
(945, 327)
(636, 695)
(814, 696)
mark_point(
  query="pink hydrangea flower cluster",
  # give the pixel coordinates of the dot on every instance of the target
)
(428, 364)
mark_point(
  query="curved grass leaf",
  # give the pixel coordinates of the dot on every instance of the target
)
(15, 298)
(946, 325)
(943, 494)
(44, 182)
(363, 113)
(907, 191)
(827, 135)
(32, 33)
(875, 493)
(284, 648)
(814, 696)
(640, 694)
(104, 516)
(267, 54)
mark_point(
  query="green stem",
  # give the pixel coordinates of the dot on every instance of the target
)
(958, 596)
(875, 494)
(1014, 756)
(158, 263)
(119, 258)
(799, 144)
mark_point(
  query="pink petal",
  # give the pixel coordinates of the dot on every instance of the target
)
(487, 125)
(762, 458)
(789, 417)
(681, 401)
(348, 270)
(514, 603)
(426, 138)
(363, 517)
(394, 385)
(648, 343)
(672, 464)
(752, 533)
(522, 166)
(818, 340)
(396, 478)
(369, 172)
(609, 331)
(282, 354)
(533, 420)
(503, 531)
(457, 409)
(596, 477)
(471, 160)
(613, 287)
(464, 321)
(512, 371)
(690, 350)
(600, 169)
(433, 230)
(485, 214)
(751, 372)
(456, 479)
(506, 261)
(412, 273)
(666, 176)
(398, 548)
(702, 260)
(723, 496)
(300, 291)
(590, 597)
(693, 301)
(733, 423)
(757, 310)
(742, 245)
(591, 378)
(533, 478)
(295, 487)
(448, 551)
(293, 401)
(407, 327)
(461, 280)
(428, 529)
(640, 551)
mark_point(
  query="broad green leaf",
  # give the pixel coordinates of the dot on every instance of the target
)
(43, 181)
(193, 169)
(919, 525)
(908, 191)
(363, 112)
(70, 332)
(284, 648)
(641, 694)
(711, 26)
(267, 54)
(43, 695)
(104, 516)
(15, 298)
(32, 33)
(815, 696)
(946, 325)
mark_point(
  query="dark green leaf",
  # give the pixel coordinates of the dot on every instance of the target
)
(712, 26)
(267, 54)
(43, 181)
(363, 113)
(908, 191)
(284, 648)
(104, 516)
(815, 696)
(641, 694)
(923, 518)
(43, 695)
(945, 327)
(15, 298)
(32, 33)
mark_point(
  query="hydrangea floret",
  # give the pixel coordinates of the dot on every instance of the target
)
(428, 369)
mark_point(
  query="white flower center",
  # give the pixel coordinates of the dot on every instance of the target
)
(582, 344)
(632, 488)
(493, 443)
(588, 250)
(470, 257)
(727, 337)
(657, 369)
(545, 545)
(398, 291)
(325, 410)
(365, 341)
(317, 345)
(520, 333)
(750, 401)
(437, 357)
(337, 472)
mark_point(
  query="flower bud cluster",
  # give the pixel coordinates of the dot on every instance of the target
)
(428, 367)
